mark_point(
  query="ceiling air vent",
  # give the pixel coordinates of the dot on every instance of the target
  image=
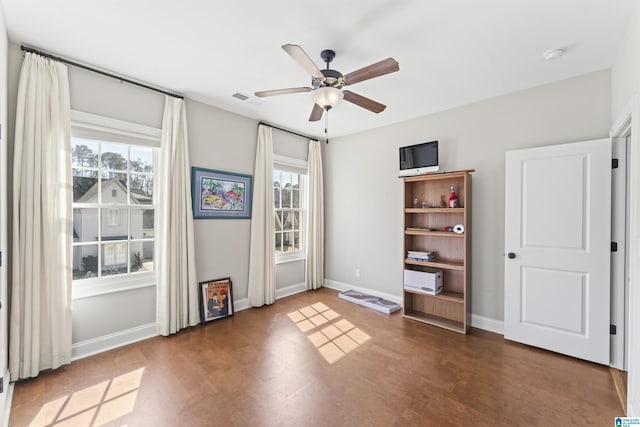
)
(240, 96)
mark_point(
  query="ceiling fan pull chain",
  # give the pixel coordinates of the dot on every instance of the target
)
(326, 123)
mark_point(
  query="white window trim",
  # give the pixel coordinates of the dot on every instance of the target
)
(291, 164)
(112, 284)
(293, 257)
(107, 129)
(92, 126)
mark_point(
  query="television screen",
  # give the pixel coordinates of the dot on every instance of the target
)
(418, 159)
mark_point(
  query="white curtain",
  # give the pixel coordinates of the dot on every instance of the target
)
(262, 268)
(314, 269)
(177, 285)
(40, 324)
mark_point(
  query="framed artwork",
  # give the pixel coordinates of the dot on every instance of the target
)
(219, 194)
(216, 299)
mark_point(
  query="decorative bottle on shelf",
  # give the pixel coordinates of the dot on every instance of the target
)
(453, 199)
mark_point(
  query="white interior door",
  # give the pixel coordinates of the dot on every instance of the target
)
(557, 248)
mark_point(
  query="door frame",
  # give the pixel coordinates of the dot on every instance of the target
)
(629, 116)
(619, 342)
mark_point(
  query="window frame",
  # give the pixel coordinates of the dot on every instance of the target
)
(300, 167)
(108, 130)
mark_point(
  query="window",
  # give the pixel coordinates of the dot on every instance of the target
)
(289, 199)
(114, 217)
(114, 207)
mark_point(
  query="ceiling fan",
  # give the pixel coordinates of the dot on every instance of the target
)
(327, 84)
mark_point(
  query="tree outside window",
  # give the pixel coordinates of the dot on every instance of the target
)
(113, 209)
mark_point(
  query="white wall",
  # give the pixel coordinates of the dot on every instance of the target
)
(625, 72)
(4, 325)
(625, 84)
(363, 204)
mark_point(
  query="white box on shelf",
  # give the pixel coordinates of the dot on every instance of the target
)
(426, 282)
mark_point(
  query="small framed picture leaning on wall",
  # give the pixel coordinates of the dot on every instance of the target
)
(216, 299)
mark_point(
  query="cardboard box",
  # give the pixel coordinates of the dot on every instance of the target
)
(426, 282)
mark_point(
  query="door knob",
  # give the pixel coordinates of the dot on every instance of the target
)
(511, 255)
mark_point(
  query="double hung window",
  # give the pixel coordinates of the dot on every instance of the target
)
(289, 197)
(113, 207)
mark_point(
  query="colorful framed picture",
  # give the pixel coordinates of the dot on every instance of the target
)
(219, 194)
(216, 299)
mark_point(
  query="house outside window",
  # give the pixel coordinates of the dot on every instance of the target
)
(113, 205)
(289, 197)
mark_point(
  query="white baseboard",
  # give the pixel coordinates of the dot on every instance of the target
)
(291, 290)
(243, 304)
(487, 323)
(477, 321)
(340, 286)
(108, 342)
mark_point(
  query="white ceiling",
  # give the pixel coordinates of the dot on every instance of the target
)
(451, 52)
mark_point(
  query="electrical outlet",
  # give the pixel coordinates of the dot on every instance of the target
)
(357, 272)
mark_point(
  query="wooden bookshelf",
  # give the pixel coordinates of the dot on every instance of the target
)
(424, 230)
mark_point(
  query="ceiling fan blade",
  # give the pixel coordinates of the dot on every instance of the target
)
(300, 56)
(363, 102)
(282, 91)
(378, 69)
(316, 113)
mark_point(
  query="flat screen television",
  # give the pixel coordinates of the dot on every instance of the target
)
(418, 159)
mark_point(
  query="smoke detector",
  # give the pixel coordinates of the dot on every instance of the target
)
(554, 53)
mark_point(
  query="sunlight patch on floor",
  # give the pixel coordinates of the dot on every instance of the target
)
(333, 341)
(96, 405)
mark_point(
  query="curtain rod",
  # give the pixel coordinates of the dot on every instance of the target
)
(288, 131)
(95, 70)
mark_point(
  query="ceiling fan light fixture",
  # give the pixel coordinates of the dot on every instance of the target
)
(327, 97)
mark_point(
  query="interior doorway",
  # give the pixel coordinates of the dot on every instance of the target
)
(619, 250)
(626, 356)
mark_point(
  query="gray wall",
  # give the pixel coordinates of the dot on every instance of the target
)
(225, 141)
(363, 196)
(217, 140)
(222, 141)
(105, 314)
(290, 274)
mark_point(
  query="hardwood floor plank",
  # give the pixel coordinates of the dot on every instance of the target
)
(259, 368)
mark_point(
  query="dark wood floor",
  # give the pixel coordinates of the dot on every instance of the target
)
(269, 367)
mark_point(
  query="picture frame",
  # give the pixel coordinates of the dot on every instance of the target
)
(216, 299)
(220, 195)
